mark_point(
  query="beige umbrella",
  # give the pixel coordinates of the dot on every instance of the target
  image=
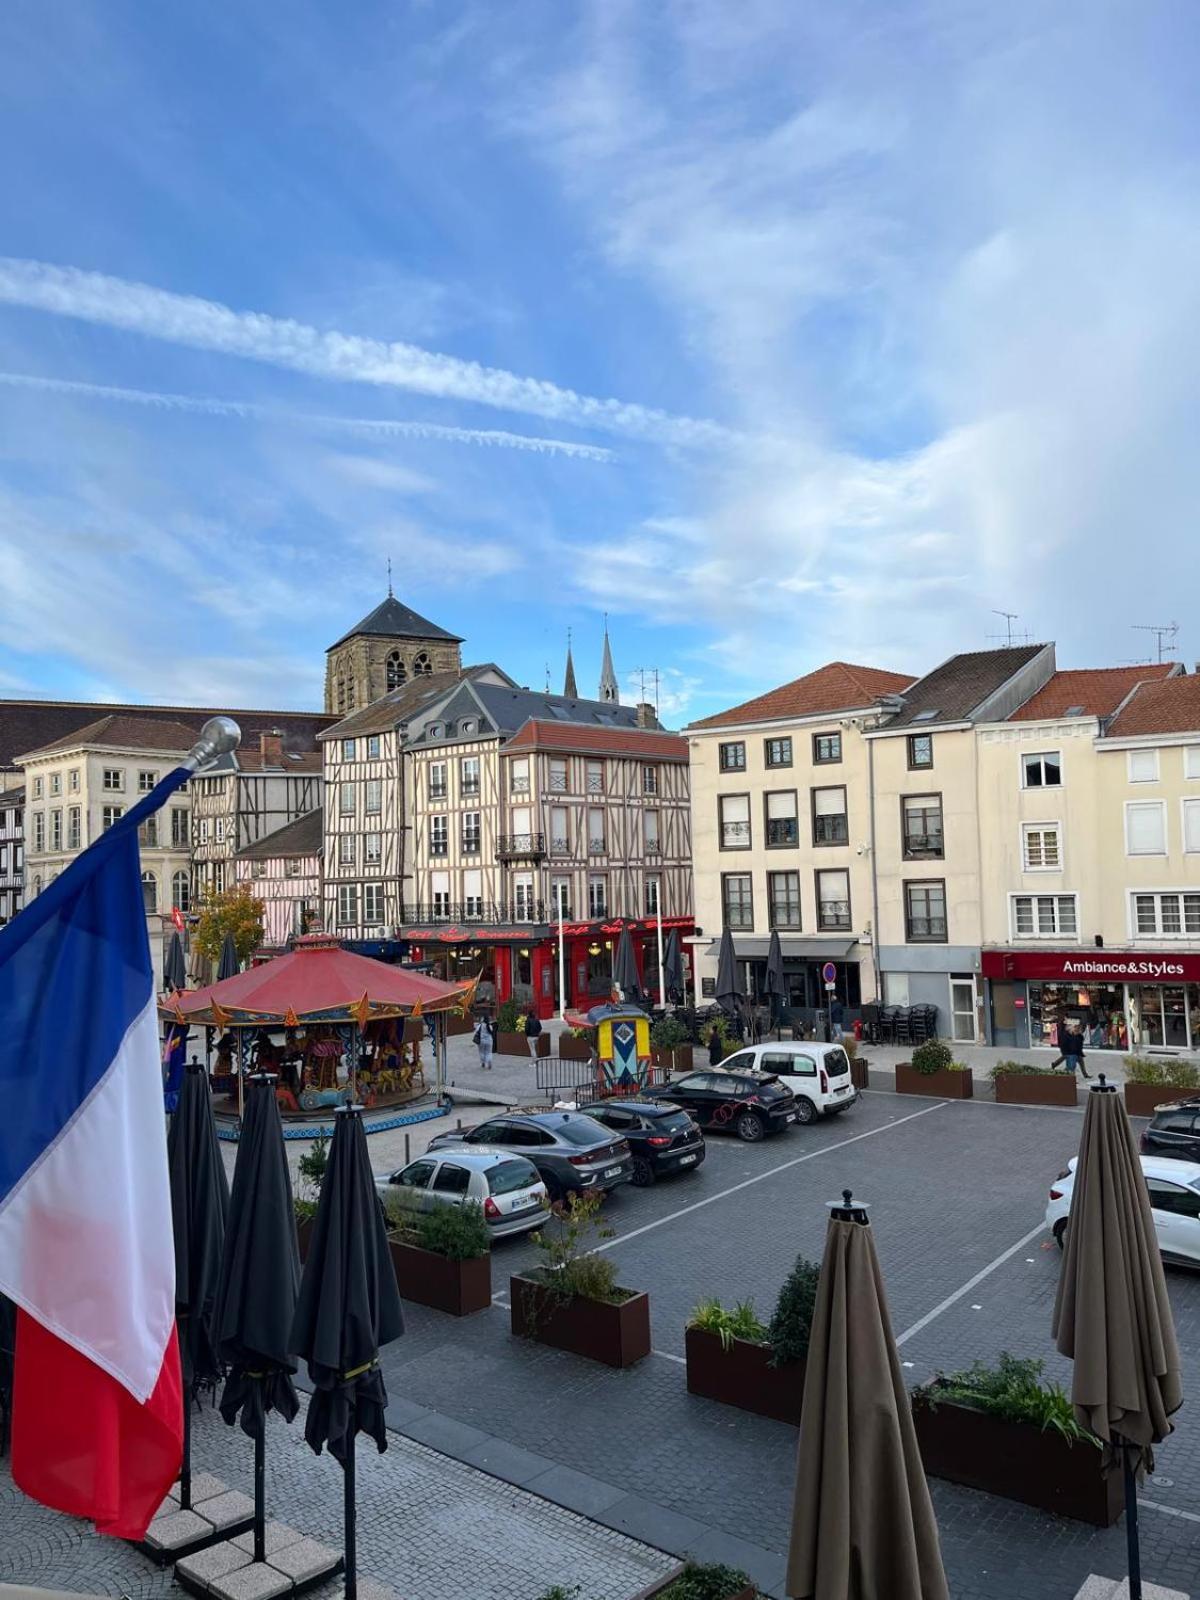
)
(1111, 1314)
(862, 1522)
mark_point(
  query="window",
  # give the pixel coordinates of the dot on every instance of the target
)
(921, 827)
(783, 826)
(1173, 1197)
(595, 817)
(925, 911)
(737, 899)
(374, 802)
(473, 893)
(422, 665)
(373, 848)
(341, 694)
(1143, 766)
(345, 850)
(783, 899)
(560, 898)
(1044, 916)
(396, 672)
(650, 840)
(471, 831)
(108, 815)
(595, 777)
(468, 775)
(833, 900)
(1042, 770)
(373, 747)
(218, 877)
(74, 828)
(597, 897)
(258, 869)
(146, 781)
(829, 820)
(291, 867)
(39, 827)
(1040, 848)
(372, 904)
(649, 780)
(1145, 828)
(437, 780)
(732, 757)
(113, 780)
(56, 783)
(56, 833)
(346, 799)
(518, 775)
(203, 827)
(523, 898)
(1191, 826)
(777, 752)
(73, 780)
(733, 811)
(439, 836)
(38, 784)
(1166, 915)
(560, 831)
(149, 893)
(347, 749)
(468, 725)
(347, 904)
(650, 898)
(920, 751)
(181, 891)
(148, 833)
(179, 828)
(219, 830)
(1191, 761)
(451, 1179)
(827, 748)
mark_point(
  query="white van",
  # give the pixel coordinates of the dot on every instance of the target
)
(817, 1074)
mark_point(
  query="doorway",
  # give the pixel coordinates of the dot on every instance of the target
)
(963, 1009)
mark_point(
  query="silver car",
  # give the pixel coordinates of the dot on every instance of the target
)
(505, 1186)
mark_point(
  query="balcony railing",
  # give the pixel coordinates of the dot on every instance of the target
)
(924, 847)
(559, 846)
(597, 847)
(519, 786)
(521, 846)
(653, 847)
(482, 912)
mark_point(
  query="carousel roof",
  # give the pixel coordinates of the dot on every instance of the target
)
(317, 982)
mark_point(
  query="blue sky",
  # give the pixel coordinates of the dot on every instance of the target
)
(779, 333)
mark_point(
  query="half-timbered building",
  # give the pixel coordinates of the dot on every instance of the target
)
(246, 795)
(283, 870)
(12, 848)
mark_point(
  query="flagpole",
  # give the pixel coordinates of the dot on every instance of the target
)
(662, 981)
(562, 958)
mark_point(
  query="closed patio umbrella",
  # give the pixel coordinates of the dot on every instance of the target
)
(1111, 1313)
(730, 991)
(625, 972)
(260, 1280)
(174, 966)
(775, 982)
(199, 1207)
(349, 1308)
(862, 1521)
(229, 966)
(673, 968)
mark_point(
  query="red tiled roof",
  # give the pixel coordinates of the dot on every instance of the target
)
(304, 761)
(839, 686)
(1097, 690)
(1171, 705)
(126, 733)
(647, 744)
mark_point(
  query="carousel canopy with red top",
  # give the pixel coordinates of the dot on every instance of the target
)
(317, 982)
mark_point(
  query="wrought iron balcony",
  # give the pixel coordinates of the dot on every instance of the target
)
(521, 846)
(474, 912)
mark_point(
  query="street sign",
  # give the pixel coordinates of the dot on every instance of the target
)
(830, 987)
(829, 972)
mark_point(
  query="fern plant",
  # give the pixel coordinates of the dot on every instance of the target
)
(729, 1322)
(1012, 1389)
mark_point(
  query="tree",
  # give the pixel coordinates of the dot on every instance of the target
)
(234, 911)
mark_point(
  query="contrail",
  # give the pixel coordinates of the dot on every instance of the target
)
(379, 427)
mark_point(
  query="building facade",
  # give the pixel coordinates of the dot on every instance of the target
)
(12, 851)
(389, 648)
(283, 870)
(246, 795)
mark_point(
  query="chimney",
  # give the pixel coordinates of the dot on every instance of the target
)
(645, 715)
(271, 746)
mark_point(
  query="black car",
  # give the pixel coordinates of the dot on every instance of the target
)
(750, 1104)
(1174, 1130)
(663, 1138)
(571, 1152)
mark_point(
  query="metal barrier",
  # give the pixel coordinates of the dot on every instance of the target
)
(583, 1080)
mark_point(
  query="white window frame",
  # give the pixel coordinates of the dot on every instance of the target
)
(1159, 932)
(372, 904)
(117, 786)
(146, 780)
(347, 905)
(347, 849)
(1043, 828)
(468, 766)
(1144, 805)
(439, 792)
(56, 783)
(346, 799)
(372, 849)
(73, 780)
(1130, 756)
(518, 775)
(108, 821)
(1191, 762)
(1054, 933)
(39, 786)
(1186, 807)
(439, 835)
(373, 801)
(471, 839)
(1040, 755)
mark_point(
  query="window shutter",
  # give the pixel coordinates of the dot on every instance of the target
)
(781, 806)
(735, 808)
(829, 802)
(1144, 828)
(1191, 825)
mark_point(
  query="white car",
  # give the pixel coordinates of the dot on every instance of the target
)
(817, 1074)
(504, 1184)
(1174, 1188)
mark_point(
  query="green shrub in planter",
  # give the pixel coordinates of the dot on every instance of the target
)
(305, 1210)
(1022, 1069)
(457, 1232)
(791, 1323)
(508, 1017)
(932, 1056)
(1171, 1074)
(668, 1033)
(706, 1581)
(729, 1323)
(1012, 1389)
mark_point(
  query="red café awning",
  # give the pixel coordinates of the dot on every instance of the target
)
(317, 981)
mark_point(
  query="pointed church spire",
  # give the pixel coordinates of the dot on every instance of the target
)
(569, 688)
(391, 596)
(608, 677)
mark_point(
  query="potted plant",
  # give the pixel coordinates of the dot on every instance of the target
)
(1003, 1430)
(1150, 1084)
(575, 1045)
(574, 1302)
(442, 1257)
(859, 1075)
(934, 1071)
(1019, 1084)
(734, 1358)
(311, 1171)
(700, 1580)
(670, 1046)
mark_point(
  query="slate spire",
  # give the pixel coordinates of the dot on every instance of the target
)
(569, 688)
(608, 677)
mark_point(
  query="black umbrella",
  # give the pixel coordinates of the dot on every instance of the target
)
(730, 994)
(349, 1308)
(260, 1279)
(625, 972)
(775, 983)
(229, 966)
(199, 1205)
(673, 968)
(174, 967)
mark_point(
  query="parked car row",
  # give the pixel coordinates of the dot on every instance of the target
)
(1174, 1190)
(515, 1161)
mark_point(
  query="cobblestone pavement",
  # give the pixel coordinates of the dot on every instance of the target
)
(429, 1527)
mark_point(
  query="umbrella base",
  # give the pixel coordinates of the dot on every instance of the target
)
(217, 1512)
(1118, 1589)
(228, 1571)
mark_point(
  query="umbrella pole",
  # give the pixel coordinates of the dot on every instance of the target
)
(185, 1462)
(1132, 1543)
(260, 1489)
(349, 1515)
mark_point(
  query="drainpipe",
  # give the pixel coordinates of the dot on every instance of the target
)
(874, 874)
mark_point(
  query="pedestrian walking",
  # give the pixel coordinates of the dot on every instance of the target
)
(1070, 1049)
(716, 1046)
(484, 1043)
(837, 1017)
(533, 1024)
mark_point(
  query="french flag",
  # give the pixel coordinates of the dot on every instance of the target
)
(86, 1245)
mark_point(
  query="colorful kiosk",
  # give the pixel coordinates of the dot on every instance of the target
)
(622, 1047)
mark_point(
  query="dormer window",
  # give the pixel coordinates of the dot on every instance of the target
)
(435, 730)
(467, 725)
(397, 672)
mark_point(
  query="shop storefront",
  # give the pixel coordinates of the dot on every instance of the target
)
(1121, 1001)
(590, 949)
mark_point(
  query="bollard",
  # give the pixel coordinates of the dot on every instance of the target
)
(407, 1150)
(458, 1126)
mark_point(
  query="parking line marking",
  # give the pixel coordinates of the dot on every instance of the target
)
(812, 1155)
(682, 1361)
(1167, 1511)
(984, 1272)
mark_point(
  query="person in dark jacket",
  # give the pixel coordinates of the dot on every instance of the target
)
(533, 1024)
(716, 1046)
(1070, 1049)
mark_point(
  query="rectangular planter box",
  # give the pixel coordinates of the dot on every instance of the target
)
(573, 1049)
(456, 1025)
(1036, 1089)
(617, 1335)
(743, 1376)
(860, 1075)
(459, 1287)
(1144, 1099)
(1019, 1462)
(542, 1043)
(661, 1585)
(677, 1060)
(512, 1044)
(304, 1230)
(941, 1085)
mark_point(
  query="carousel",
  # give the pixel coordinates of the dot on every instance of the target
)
(334, 1027)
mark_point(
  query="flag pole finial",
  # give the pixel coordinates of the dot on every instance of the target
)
(218, 737)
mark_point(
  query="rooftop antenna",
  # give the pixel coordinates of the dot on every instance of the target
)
(391, 596)
(1011, 636)
(1162, 631)
(653, 674)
